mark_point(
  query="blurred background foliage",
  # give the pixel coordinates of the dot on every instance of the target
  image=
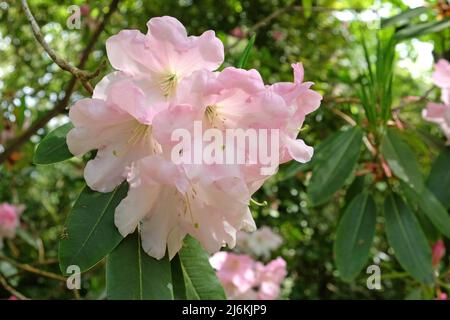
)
(323, 34)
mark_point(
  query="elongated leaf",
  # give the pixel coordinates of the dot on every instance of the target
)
(131, 274)
(179, 286)
(428, 228)
(53, 148)
(355, 188)
(401, 159)
(354, 236)
(200, 278)
(403, 17)
(422, 29)
(246, 54)
(430, 206)
(439, 178)
(335, 165)
(90, 233)
(407, 238)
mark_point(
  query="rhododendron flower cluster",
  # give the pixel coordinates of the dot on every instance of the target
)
(166, 80)
(259, 243)
(440, 112)
(246, 279)
(9, 220)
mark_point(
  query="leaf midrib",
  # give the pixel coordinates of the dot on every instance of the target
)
(405, 233)
(96, 224)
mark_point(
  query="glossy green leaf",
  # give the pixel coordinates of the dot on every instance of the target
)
(428, 228)
(401, 159)
(403, 17)
(335, 165)
(246, 54)
(53, 148)
(179, 286)
(407, 239)
(355, 188)
(439, 178)
(200, 278)
(431, 207)
(131, 274)
(90, 233)
(354, 236)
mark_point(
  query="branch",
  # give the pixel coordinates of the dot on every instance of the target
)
(28, 268)
(82, 75)
(11, 290)
(62, 104)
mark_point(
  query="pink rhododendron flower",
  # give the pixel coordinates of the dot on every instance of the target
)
(112, 128)
(441, 78)
(171, 205)
(164, 56)
(440, 113)
(259, 243)
(165, 81)
(270, 277)
(246, 279)
(301, 101)
(235, 271)
(438, 252)
(9, 220)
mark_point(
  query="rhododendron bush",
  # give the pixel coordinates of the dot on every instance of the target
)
(166, 81)
(240, 150)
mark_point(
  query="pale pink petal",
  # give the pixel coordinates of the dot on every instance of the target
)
(298, 150)
(134, 207)
(96, 125)
(249, 81)
(441, 76)
(102, 87)
(129, 52)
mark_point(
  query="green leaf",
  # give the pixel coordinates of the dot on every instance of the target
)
(354, 236)
(428, 228)
(53, 148)
(408, 240)
(439, 178)
(401, 159)
(179, 287)
(131, 274)
(431, 207)
(355, 188)
(245, 55)
(422, 29)
(336, 163)
(403, 17)
(201, 280)
(90, 233)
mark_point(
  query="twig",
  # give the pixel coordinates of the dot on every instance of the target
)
(28, 268)
(404, 101)
(11, 290)
(62, 104)
(82, 75)
(345, 117)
